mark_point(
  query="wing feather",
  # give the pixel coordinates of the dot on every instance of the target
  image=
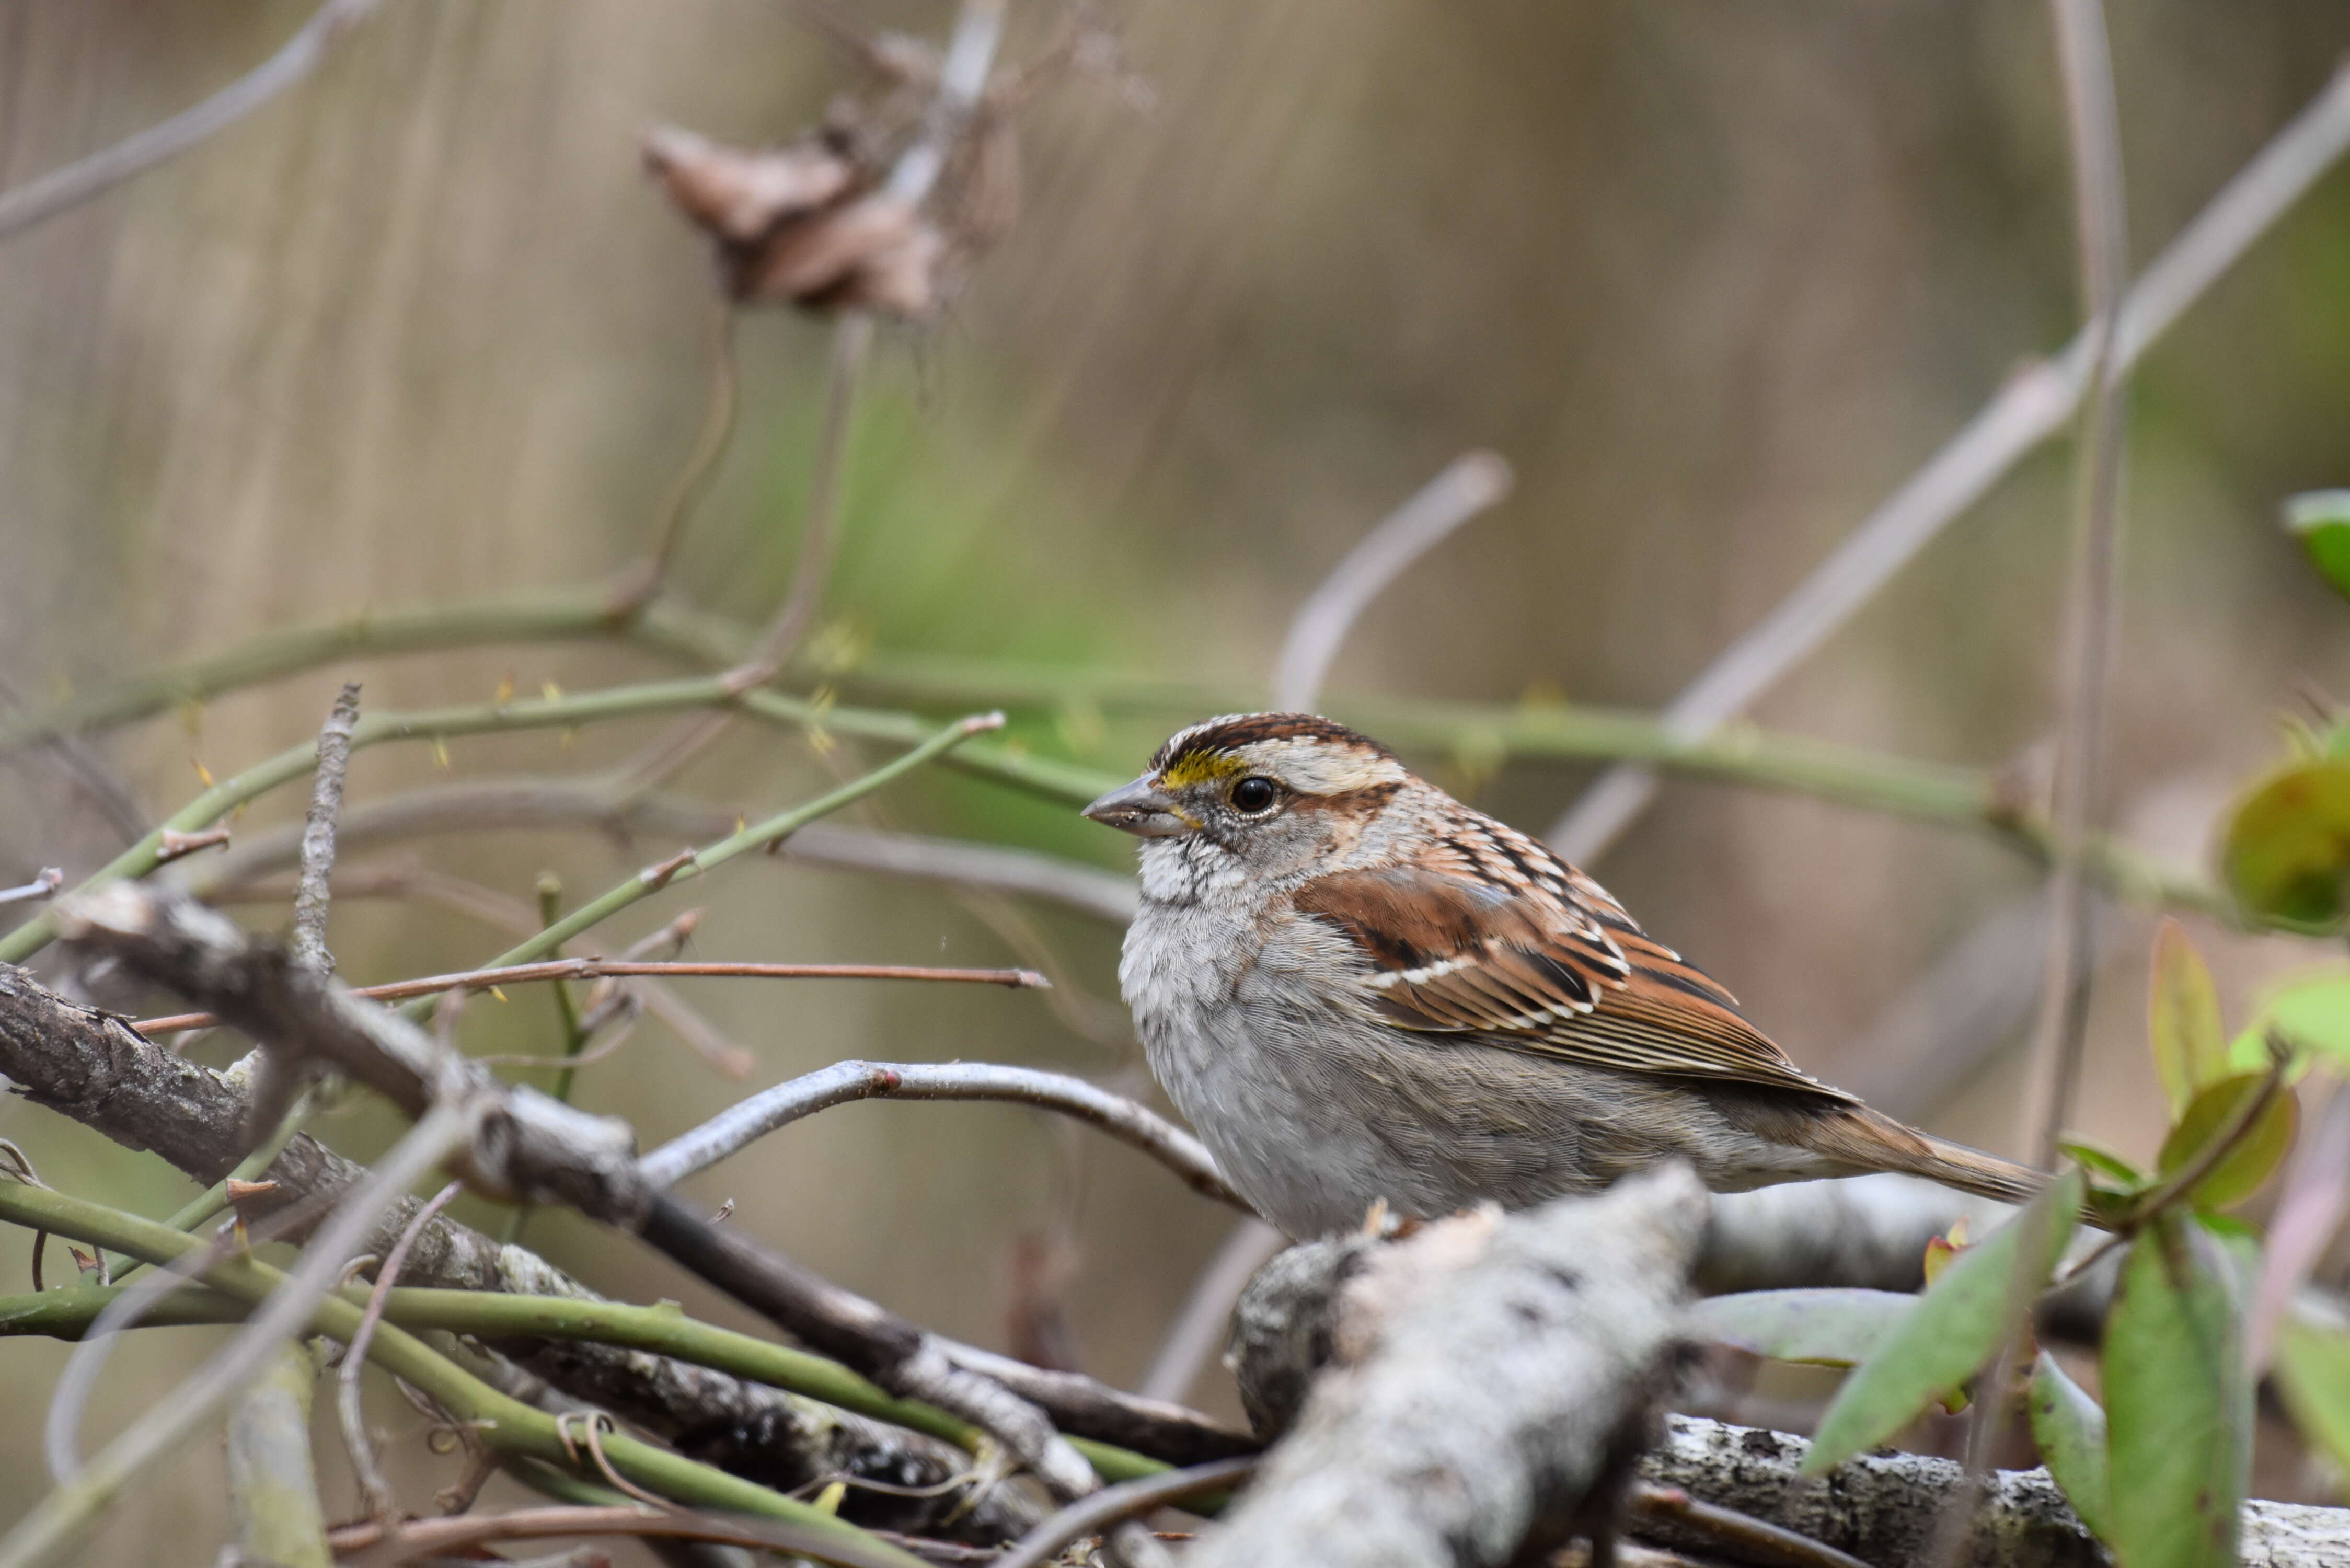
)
(1495, 936)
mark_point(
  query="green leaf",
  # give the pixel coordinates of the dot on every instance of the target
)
(2322, 519)
(2257, 1152)
(2313, 1371)
(2287, 850)
(2070, 1428)
(2104, 1161)
(2179, 1402)
(2190, 1044)
(2308, 1016)
(1821, 1327)
(1954, 1329)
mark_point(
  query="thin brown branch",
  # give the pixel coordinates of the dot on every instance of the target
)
(373, 1488)
(38, 199)
(616, 968)
(312, 890)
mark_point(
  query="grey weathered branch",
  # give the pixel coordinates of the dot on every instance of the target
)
(1882, 1507)
(1866, 1231)
(1492, 1379)
(91, 1067)
(749, 1121)
(1318, 1301)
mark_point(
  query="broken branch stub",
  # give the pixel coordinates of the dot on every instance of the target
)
(1489, 1380)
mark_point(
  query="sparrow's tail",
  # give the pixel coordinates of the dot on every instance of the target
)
(1875, 1141)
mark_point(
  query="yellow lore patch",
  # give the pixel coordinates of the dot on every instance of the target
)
(1198, 767)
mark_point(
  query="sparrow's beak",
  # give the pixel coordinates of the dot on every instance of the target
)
(1142, 809)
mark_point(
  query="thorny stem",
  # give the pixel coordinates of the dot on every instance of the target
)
(535, 713)
(757, 836)
(509, 1425)
(212, 1199)
(67, 1312)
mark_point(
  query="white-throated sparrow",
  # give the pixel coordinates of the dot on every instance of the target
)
(1356, 988)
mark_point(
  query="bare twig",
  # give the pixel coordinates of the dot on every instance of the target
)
(2031, 409)
(90, 773)
(373, 1488)
(38, 199)
(602, 968)
(735, 1128)
(1468, 484)
(45, 885)
(311, 892)
(1114, 1505)
(2103, 238)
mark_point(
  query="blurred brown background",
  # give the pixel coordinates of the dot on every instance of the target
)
(1714, 276)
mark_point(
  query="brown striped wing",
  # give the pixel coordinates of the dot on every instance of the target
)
(1533, 954)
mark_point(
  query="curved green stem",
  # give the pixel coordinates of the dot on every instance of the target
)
(507, 1425)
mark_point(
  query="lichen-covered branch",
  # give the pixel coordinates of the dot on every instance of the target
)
(1490, 1381)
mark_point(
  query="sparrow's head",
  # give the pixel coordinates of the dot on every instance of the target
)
(1275, 790)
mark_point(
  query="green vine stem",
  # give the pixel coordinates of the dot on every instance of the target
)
(700, 862)
(507, 1425)
(662, 1330)
(1486, 732)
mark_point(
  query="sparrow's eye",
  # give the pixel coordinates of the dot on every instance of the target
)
(1255, 795)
